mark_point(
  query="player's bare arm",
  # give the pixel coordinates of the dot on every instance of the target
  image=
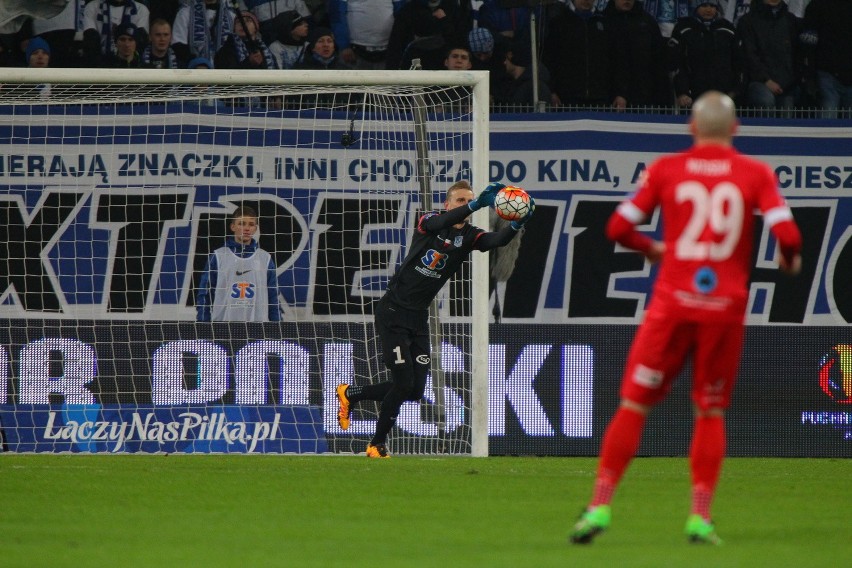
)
(656, 251)
(783, 227)
(791, 267)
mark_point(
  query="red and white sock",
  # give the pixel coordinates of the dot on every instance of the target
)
(706, 455)
(620, 443)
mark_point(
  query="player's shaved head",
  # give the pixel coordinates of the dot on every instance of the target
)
(714, 117)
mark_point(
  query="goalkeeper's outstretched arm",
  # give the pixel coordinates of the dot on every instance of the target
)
(434, 222)
(460, 203)
(495, 239)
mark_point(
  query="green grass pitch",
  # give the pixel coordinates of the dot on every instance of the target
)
(327, 511)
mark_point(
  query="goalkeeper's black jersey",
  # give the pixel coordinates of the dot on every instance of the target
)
(433, 258)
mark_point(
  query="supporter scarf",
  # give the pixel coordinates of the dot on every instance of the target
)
(206, 42)
(243, 52)
(105, 22)
(736, 9)
(171, 58)
(79, 16)
(668, 11)
(326, 61)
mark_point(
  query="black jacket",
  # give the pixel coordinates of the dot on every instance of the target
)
(577, 53)
(705, 56)
(228, 58)
(770, 45)
(638, 57)
(512, 91)
(828, 21)
(415, 20)
(310, 62)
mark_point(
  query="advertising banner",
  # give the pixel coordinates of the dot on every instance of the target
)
(551, 391)
(80, 196)
(109, 218)
(793, 396)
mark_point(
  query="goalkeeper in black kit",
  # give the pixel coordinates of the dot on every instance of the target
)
(441, 244)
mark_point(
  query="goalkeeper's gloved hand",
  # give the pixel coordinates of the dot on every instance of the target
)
(517, 225)
(486, 197)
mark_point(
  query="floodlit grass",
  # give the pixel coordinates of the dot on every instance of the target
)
(248, 511)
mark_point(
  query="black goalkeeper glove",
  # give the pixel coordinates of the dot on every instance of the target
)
(486, 197)
(517, 225)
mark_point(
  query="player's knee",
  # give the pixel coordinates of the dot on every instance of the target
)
(405, 393)
(403, 382)
(416, 393)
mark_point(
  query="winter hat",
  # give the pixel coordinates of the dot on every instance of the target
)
(193, 64)
(126, 29)
(317, 33)
(700, 3)
(36, 43)
(294, 18)
(480, 40)
(283, 25)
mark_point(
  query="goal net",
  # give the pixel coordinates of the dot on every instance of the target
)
(117, 186)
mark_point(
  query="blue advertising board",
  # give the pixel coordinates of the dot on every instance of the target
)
(112, 216)
(169, 388)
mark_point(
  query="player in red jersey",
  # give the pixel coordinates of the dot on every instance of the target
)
(706, 196)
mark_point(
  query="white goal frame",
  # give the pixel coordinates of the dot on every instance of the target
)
(477, 81)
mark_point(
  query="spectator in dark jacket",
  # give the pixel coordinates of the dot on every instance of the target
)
(158, 54)
(289, 47)
(487, 54)
(577, 53)
(102, 19)
(245, 48)
(321, 51)
(769, 34)
(505, 19)
(638, 58)
(428, 46)
(705, 54)
(828, 25)
(442, 17)
(126, 54)
(516, 88)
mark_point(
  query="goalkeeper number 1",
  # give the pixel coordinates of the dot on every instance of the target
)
(442, 242)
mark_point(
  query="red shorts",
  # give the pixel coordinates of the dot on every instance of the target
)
(660, 349)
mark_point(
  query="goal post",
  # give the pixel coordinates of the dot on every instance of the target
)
(117, 185)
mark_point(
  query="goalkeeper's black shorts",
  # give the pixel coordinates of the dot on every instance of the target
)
(404, 335)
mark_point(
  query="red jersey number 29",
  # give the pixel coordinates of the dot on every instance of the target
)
(720, 210)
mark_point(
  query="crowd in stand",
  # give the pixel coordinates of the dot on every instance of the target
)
(589, 53)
